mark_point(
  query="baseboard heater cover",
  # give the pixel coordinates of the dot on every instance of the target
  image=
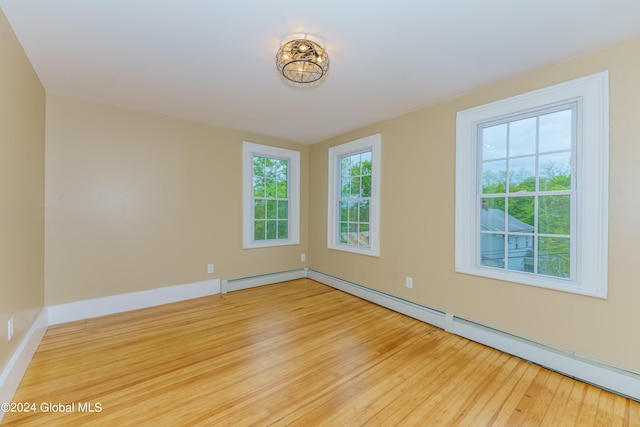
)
(606, 376)
(231, 285)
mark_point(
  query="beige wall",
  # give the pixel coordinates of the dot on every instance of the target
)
(22, 111)
(417, 236)
(138, 201)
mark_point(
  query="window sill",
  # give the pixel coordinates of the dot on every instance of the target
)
(563, 285)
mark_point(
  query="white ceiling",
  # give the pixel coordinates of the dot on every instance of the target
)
(212, 61)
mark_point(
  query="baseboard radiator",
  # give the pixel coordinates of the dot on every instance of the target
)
(231, 285)
(615, 379)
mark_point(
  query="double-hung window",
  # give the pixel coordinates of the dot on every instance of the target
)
(531, 188)
(354, 196)
(271, 194)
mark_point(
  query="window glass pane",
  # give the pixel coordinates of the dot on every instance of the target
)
(353, 211)
(492, 214)
(364, 211)
(345, 166)
(353, 234)
(494, 177)
(258, 230)
(271, 187)
(258, 165)
(492, 250)
(522, 174)
(365, 158)
(259, 211)
(270, 167)
(494, 203)
(366, 186)
(521, 214)
(281, 170)
(520, 253)
(363, 235)
(344, 211)
(355, 165)
(283, 209)
(555, 171)
(271, 229)
(494, 142)
(283, 229)
(554, 214)
(272, 209)
(554, 256)
(555, 131)
(258, 186)
(355, 187)
(281, 190)
(522, 137)
(345, 188)
(344, 230)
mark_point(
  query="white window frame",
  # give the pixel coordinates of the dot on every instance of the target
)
(591, 175)
(250, 149)
(374, 144)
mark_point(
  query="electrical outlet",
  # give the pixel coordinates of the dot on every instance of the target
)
(303, 257)
(10, 329)
(409, 282)
(210, 268)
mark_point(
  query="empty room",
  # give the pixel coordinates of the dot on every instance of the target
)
(346, 213)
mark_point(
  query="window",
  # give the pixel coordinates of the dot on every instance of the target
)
(271, 193)
(531, 188)
(354, 196)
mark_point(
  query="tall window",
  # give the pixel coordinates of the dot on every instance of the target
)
(527, 192)
(531, 188)
(354, 196)
(271, 196)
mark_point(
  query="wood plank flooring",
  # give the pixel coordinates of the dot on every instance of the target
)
(296, 353)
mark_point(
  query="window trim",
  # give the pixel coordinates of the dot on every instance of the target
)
(592, 155)
(373, 143)
(250, 149)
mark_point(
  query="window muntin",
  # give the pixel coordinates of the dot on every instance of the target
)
(271, 194)
(585, 192)
(526, 192)
(354, 196)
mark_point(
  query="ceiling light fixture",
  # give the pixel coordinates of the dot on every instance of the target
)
(302, 61)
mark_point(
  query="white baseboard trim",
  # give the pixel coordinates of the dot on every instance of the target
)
(603, 375)
(97, 307)
(14, 370)
(261, 280)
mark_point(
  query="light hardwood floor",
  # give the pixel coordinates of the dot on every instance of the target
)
(295, 353)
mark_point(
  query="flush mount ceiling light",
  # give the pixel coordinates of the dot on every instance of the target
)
(302, 61)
